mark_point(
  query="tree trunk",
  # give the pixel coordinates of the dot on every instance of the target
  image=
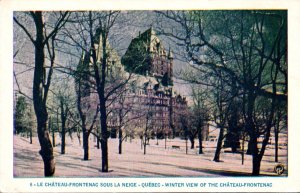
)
(186, 145)
(200, 142)
(63, 140)
(120, 140)
(192, 139)
(57, 114)
(255, 162)
(256, 166)
(255, 156)
(219, 145)
(46, 150)
(63, 127)
(260, 154)
(85, 145)
(233, 138)
(39, 101)
(249, 149)
(53, 135)
(276, 134)
(104, 150)
(145, 143)
(100, 77)
(30, 135)
(79, 138)
(276, 145)
(243, 149)
(165, 141)
(104, 139)
(120, 146)
(171, 115)
(85, 133)
(98, 138)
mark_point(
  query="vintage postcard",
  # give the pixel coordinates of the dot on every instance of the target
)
(149, 96)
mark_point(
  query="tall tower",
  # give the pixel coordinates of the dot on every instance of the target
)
(146, 55)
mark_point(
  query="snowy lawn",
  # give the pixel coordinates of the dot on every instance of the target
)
(133, 163)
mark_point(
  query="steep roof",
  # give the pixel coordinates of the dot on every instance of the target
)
(152, 41)
(141, 50)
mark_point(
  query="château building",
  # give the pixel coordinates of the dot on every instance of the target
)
(149, 102)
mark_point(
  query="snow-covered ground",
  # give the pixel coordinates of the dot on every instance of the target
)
(158, 161)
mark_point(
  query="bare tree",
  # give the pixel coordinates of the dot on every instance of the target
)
(123, 116)
(200, 112)
(42, 40)
(91, 35)
(148, 126)
(249, 47)
(87, 114)
(185, 125)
